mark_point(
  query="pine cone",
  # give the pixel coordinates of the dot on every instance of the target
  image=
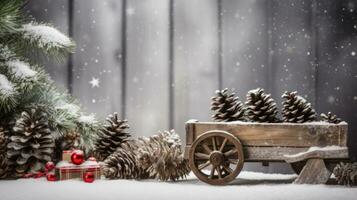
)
(227, 107)
(31, 144)
(296, 109)
(121, 165)
(71, 140)
(346, 174)
(260, 106)
(3, 158)
(161, 156)
(111, 137)
(330, 118)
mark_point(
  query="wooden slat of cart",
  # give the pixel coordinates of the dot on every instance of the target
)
(278, 134)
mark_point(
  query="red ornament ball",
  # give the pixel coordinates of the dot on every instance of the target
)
(50, 166)
(51, 177)
(77, 157)
(88, 177)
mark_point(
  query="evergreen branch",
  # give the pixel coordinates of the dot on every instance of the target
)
(8, 95)
(10, 16)
(47, 40)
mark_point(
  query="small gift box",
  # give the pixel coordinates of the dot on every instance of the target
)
(66, 155)
(66, 170)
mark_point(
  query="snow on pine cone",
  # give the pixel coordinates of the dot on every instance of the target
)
(161, 156)
(330, 118)
(31, 145)
(3, 157)
(260, 106)
(122, 165)
(227, 107)
(111, 137)
(296, 109)
(346, 173)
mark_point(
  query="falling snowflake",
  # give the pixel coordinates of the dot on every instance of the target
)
(331, 99)
(94, 82)
(130, 11)
(353, 53)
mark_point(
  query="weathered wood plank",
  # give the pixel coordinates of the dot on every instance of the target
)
(292, 50)
(323, 153)
(337, 55)
(269, 153)
(314, 172)
(56, 13)
(245, 45)
(195, 60)
(147, 77)
(97, 31)
(279, 134)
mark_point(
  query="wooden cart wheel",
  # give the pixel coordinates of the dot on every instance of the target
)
(216, 157)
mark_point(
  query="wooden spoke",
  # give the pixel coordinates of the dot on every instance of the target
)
(233, 161)
(214, 143)
(230, 152)
(227, 169)
(202, 156)
(206, 164)
(206, 148)
(219, 172)
(212, 172)
(223, 144)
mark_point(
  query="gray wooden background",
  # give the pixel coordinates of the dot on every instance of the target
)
(160, 61)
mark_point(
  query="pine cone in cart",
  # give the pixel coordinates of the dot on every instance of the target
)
(121, 165)
(111, 137)
(3, 157)
(296, 109)
(31, 145)
(227, 107)
(261, 107)
(161, 156)
(330, 118)
(346, 173)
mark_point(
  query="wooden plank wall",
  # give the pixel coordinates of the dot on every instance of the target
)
(160, 61)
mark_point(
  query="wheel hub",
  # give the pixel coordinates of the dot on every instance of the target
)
(216, 158)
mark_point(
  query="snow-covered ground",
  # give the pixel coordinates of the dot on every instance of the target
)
(249, 185)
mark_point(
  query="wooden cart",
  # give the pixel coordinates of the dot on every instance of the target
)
(218, 150)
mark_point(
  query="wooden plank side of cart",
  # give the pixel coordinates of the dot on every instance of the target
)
(272, 142)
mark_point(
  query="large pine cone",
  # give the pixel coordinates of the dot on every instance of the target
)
(296, 109)
(346, 174)
(161, 156)
(3, 157)
(260, 106)
(330, 118)
(121, 165)
(31, 144)
(111, 137)
(227, 107)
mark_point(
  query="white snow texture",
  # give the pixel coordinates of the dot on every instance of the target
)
(6, 87)
(21, 69)
(248, 186)
(47, 36)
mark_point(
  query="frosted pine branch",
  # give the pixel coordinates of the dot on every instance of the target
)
(5, 53)
(7, 94)
(6, 87)
(21, 69)
(47, 38)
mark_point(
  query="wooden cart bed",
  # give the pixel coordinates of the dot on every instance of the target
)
(303, 145)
